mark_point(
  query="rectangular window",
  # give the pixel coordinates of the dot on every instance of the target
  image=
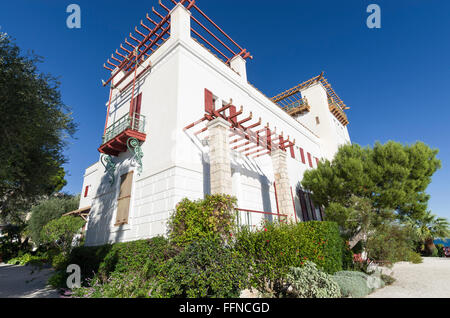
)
(317, 120)
(124, 200)
(301, 197)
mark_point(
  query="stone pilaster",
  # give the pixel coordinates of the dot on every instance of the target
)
(219, 156)
(285, 204)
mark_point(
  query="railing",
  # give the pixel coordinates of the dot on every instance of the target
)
(337, 111)
(245, 217)
(299, 106)
(134, 122)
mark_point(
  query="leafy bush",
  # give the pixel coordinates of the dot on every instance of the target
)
(347, 257)
(59, 262)
(392, 243)
(209, 218)
(277, 247)
(61, 232)
(435, 252)
(11, 244)
(58, 279)
(357, 284)
(388, 280)
(308, 282)
(204, 269)
(26, 259)
(145, 256)
(414, 258)
(132, 284)
(89, 258)
(440, 249)
(48, 210)
(354, 287)
(121, 270)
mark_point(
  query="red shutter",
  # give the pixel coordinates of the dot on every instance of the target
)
(137, 108)
(310, 160)
(86, 191)
(233, 112)
(209, 102)
(302, 154)
(317, 161)
(292, 152)
(269, 138)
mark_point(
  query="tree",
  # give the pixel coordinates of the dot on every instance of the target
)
(61, 232)
(364, 188)
(48, 210)
(34, 129)
(430, 228)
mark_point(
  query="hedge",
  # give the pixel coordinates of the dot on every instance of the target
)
(277, 247)
(204, 269)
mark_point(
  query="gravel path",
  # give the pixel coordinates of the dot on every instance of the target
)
(431, 279)
(25, 282)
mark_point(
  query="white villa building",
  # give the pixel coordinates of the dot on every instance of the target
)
(183, 121)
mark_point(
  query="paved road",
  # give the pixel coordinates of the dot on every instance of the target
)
(431, 279)
(25, 282)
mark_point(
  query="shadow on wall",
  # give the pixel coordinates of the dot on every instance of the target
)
(251, 170)
(206, 174)
(102, 214)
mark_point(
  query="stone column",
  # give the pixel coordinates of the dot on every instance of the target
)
(219, 156)
(285, 204)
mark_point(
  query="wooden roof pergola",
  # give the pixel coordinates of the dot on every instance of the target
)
(293, 95)
(251, 140)
(83, 213)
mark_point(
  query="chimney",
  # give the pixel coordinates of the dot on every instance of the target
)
(239, 65)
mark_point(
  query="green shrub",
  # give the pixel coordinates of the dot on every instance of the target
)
(121, 270)
(308, 282)
(390, 242)
(11, 244)
(205, 269)
(277, 247)
(347, 258)
(358, 284)
(59, 262)
(440, 249)
(48, 210)
(58, 279)
(354, 287)
(209, 218)
(132, 284)
(139, 256)
(26, 259)
(89, 258)
(414, 258)
(435, 252)
(61, 232)
(388, 280)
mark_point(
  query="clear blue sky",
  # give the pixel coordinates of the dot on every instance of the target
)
(396, 80)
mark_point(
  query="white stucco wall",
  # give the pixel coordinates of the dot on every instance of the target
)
(176, 163)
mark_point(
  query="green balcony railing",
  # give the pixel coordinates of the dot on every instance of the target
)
(134, 122)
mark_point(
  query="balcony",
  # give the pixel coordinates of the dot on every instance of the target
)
(117, 135)
(299, 107)
(338, 112)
